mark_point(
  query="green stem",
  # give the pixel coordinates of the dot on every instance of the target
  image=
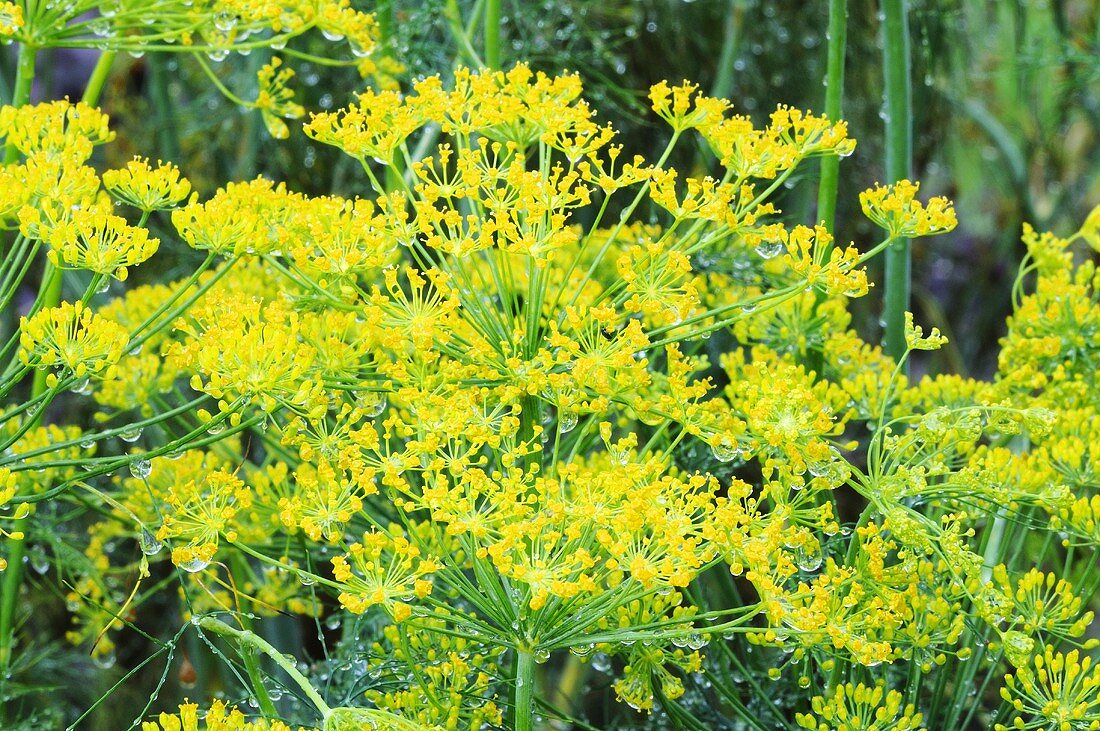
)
(21, 92)
(492, 34)
(167, 136)
(731, 42)
(255, 642)
(102, 70)
(834, 94)
(899, 156)
(13, 576)
(248, 651)
(525, 696)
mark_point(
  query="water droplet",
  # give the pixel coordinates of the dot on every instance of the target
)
(38, 559)
(141, 469)
(373, 404)
(105, 660)
(194, 565)
(725, 451)
(769, 249)
(567, 421)
(306, 579)
(148, 543)
(225, 21)
(130, 434)
(583, 651)
(601, 662)
(542, 656)
(82, 387)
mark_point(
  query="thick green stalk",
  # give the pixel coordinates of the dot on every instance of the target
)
(9, 591)
(525, 691)
(899, 156)
(834, 94)
(492, 34)
(167, 137)
(21, 92)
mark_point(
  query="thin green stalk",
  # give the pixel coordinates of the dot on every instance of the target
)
(525, 696)
(253, 641)
(834, 95)
(248, 651)
(102, 70)
(731, 42)
(492, 34)
(899, 156)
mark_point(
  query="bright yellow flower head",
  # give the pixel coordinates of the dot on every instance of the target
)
(861, 708)
(896, 209)
(60, 128)
(11, 18)
(70, 336)
(96, 240)
(147, 188)
(275, 100)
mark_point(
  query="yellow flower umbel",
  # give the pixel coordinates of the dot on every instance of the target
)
(384, 568)
(861, 708)
(71, 337)
(896, 209)
(11, 18)
(147, 188)
(198, 513)
(275, 100)
(218, 718)
(60, 129)
(99, 241)
(1056, 692)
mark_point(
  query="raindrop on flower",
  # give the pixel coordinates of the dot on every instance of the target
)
(567, 420)
(194, 565)
(725, 452)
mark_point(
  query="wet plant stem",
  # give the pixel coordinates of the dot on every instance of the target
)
(525, 695)
(492, 34)
(899, 155)
(834, 94)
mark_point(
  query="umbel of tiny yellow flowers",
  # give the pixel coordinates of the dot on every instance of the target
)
(218, 718)
(72, 337)
(915, 338)
(896, 209)
(147, 188)
(11, 18)
(1055, 691)
(275, 100)
(96, 240)
(60, 129)
(861, 708)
